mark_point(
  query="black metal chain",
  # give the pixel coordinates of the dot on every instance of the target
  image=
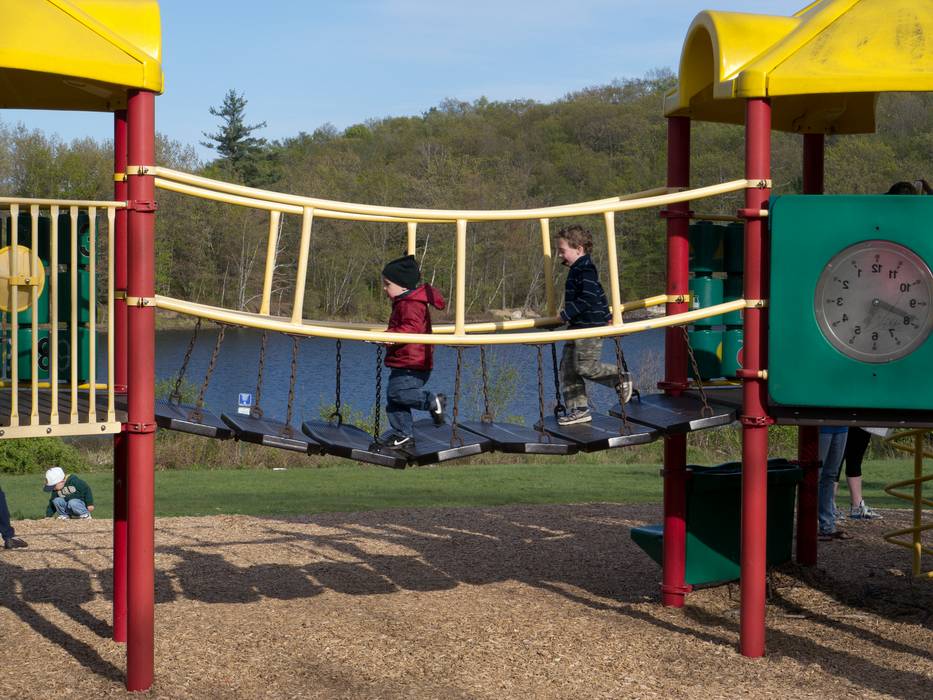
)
(622, 373)
(287, 429)
(487, 415)
(197, 413)
(455, 439)
(706, 411)
(256, 410)
(559, 408)
(175, 396)
(377, 408)
(539, 426)
(337, 414)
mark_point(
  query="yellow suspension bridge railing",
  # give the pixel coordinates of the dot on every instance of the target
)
(912, 441)
(460, 332)
(35, 398)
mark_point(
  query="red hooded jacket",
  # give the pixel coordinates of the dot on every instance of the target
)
(410, 314)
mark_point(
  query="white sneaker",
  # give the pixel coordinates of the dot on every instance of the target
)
(85, 516)
(863, 512)
(63, 517)
(577, 415)
(624, 388)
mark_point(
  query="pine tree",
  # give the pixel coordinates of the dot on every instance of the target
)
(234, 141)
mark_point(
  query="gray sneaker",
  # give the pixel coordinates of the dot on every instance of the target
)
(863, 512)
(838, 515)
(577, 415)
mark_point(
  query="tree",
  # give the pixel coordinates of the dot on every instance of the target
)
(234, 141)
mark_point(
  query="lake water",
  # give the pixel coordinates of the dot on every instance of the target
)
(238, 360)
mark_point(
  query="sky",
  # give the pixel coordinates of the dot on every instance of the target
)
(305, 63)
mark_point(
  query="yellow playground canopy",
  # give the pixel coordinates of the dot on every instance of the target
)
(821, 68)
(78, 54)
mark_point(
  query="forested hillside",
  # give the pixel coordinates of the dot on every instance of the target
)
(594, 143)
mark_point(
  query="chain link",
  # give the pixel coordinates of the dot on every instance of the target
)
(287, 430)
(377, 409)
(559, 408)
(539, 426)
(622, 372)
(487, 416)
(337, 414)
(197, 413)
(175, 396)
(256, 410)
(706, 411)
(455, 439)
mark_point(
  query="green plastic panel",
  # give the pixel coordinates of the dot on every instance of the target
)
(803, 368)
(707, 349)
(706, 291)
(24, 364)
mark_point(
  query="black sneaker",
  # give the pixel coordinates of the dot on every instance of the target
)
(437, 409)
(396, 441)
(14, 543)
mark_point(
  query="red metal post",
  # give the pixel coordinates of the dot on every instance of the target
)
(673, 587)
(140, 428)
(119, 374)
(755, 419)
(808, 436)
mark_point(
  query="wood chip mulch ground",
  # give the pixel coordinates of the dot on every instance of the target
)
(512, 602)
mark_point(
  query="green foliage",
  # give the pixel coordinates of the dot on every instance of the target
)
(498, 389)
(187, 390)
(240, 151)
(35, 455)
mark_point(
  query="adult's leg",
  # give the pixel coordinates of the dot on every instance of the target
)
(6, 529)
(832, 447)
(573, 386)
(856, 446)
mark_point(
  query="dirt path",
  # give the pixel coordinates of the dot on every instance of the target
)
(526, 602)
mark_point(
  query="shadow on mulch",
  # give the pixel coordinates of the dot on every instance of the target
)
(582, 553)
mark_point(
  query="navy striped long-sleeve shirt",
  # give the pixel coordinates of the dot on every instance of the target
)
(585, 304)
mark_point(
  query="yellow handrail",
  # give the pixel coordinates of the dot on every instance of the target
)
(902, 441)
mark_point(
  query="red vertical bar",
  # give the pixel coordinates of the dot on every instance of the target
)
(808, 451)
(119, 374)
(755, 420)
(673, 587)
(140, 427)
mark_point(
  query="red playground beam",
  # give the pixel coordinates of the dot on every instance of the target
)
(140, 426)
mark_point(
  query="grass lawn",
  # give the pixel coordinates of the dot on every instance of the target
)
(349, 487)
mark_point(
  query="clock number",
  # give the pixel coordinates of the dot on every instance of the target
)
(906, 320)
(857, 330)
(845, 284)
(874, 336)
(876, 268)
(839, 301)
(905, 286)
(891, 331)
(845, 317)
(913, 303)
(892, 275)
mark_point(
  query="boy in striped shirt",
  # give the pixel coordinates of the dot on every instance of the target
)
(585, 306)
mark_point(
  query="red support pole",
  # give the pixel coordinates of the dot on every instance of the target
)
(140, 428)
(755, 419)
(119, 374)
(808, 436)
(673, 587)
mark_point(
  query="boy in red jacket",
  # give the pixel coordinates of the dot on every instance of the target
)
(411, 363)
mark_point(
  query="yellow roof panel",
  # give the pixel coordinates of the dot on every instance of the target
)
(821, 68)
(78, 54)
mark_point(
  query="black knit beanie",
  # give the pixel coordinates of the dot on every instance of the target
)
(403, 271)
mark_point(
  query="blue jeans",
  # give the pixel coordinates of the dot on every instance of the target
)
(832, 449)
(404, 392)
(74, 507)
(6, 530)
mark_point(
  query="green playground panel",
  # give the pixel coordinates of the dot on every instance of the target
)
(24, 363)
(24, 237)
(706, 253)
(714, 519)
(84, 297)
(706, 291)
(803, 368)
(707, 349)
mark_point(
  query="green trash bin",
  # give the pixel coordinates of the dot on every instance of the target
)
(714, 516)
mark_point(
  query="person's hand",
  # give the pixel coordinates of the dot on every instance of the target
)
(90, 508)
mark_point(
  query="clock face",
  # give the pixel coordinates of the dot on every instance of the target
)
(873, 301)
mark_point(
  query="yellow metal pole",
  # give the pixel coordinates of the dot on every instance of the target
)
(550, 298)
(307, 217)
(615, 296)
(14, 315)
(34, 305)
(111, 412)
(274, 218)
(73, 263)
(92, 315)
(412, 237)
(460, 313)
(53, 316)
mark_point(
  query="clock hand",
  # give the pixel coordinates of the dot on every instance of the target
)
(890, 307)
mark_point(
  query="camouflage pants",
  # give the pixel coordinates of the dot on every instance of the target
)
(582, 360)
